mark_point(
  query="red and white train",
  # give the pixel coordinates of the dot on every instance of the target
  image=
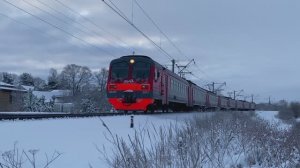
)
(138, 83)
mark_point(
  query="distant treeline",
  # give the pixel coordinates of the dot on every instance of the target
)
(286, 110)
(87, 88)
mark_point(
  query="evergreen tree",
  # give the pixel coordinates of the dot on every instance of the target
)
(7, 78)
(26, 79)
(87, 106)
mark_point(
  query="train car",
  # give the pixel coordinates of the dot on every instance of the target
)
(223, 102)
(239, 105)
(177, 92)
(138, 83)
(211, 100)
(232, 104)
(252, 106)
(246, 105)
(197, 98)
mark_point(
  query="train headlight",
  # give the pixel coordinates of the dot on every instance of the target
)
(131, 61)
(145, 87)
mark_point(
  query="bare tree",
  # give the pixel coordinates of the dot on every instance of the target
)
(76, 77)
(101, 78)
(53, 79)
(39, 83)
(295, 108)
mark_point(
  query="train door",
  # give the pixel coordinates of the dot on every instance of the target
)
(164, 88)
(207, 100)
(190, 91)
(220, 102)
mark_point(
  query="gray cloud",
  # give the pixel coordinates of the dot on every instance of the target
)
(252, 45)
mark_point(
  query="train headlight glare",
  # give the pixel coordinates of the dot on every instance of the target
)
(131, 61)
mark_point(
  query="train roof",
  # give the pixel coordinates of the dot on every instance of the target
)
(141, 56)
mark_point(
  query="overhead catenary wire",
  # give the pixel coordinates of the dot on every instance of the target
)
(34, 28)
(159, 29)
(57, 27)
(27, 25)
(116, 10)
(94, 24)
(165, 35)
(66, 23)
(84, 26)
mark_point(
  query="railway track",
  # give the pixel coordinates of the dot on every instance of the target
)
(31, 116)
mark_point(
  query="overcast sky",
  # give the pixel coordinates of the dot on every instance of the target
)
(252, 45)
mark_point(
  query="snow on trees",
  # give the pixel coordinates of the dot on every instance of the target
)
(7, 78)
(34, 104)
(53, 79)
(26, 79)
(101, 78)
(76, 77)
(87, 89)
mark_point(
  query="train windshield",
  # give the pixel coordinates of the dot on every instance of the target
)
(141, 71)
(119, 71)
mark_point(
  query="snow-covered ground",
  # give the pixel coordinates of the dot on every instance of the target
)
(270, 116)
(77, 138)
(29, 113)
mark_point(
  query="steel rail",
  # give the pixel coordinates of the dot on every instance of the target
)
(31, 116)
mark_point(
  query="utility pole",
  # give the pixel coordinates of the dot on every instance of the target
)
(269, 100)
(246, 97)
(183, 68)
(218, 89)
(237, 93)
(173, 65)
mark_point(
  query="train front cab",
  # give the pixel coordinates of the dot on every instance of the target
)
(130, 83)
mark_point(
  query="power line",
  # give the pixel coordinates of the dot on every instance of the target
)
(75, 21)
(166, 36)
(36, 29)
(56, 27)
(159, 29)
(206, 82)
(122, 15)
(92, 22)
(24, 24)
(116, 10)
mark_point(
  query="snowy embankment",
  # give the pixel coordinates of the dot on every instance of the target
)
(235, 137)
(77, 139)
(271, 117)
(30, 113)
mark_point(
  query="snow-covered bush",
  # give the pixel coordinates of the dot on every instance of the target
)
(34, 104)
(228, 139)
(289, 111)
(17, 158)
(87, 106)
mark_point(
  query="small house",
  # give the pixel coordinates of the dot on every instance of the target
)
(8, 96)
